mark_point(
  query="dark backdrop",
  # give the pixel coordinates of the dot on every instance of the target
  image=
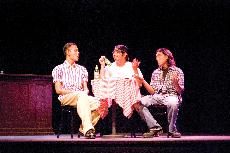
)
(33, 32)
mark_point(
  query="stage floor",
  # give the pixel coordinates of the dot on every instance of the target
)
(66, 137)
(161, 144)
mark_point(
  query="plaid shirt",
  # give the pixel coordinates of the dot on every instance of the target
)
(71, 77)
(166, 86)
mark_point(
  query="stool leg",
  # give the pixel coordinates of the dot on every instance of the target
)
(133, 134)
(78, 134)
(132, 123)
(168, 130)
(71, 123)
(167, 126)
(101, 125)
(60, 124)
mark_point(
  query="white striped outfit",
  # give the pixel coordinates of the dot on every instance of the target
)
(73, 78)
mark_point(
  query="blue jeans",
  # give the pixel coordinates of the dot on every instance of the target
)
(171, 101)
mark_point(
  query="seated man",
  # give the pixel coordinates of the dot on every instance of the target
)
(70, 81)
(166, 87)
(121, 68)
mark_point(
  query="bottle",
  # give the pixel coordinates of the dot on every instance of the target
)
(96, 72)
(107, 62)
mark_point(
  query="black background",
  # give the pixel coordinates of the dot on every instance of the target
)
(33, 32)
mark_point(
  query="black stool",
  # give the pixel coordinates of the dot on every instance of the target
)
(70, 111)
(160, 110)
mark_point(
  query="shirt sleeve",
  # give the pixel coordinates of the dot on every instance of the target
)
(85, 75)
(139, 72)
(57, 74)
(181, 79)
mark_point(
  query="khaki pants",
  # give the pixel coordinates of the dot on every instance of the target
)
(86, 109)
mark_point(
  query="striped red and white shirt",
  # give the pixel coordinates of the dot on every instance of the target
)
(72, 77)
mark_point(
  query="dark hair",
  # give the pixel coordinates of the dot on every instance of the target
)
(123, 50)
(67, 45)
(167, 52)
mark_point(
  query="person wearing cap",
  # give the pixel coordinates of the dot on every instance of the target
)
(121, 67)
(166, 87)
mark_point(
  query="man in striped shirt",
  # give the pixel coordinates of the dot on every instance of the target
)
(70, 81)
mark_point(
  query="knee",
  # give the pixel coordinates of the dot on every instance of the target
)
(138, 106)
(82, 98)
(172, 101)
(145, 101)
(173, 104)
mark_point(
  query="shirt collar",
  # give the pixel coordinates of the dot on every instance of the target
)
(170, 68)
(67, 64)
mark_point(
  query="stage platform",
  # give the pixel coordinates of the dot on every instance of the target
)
(162, 144)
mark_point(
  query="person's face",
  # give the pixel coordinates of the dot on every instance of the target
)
(161, 59)
(73, 53)
(118, 56)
